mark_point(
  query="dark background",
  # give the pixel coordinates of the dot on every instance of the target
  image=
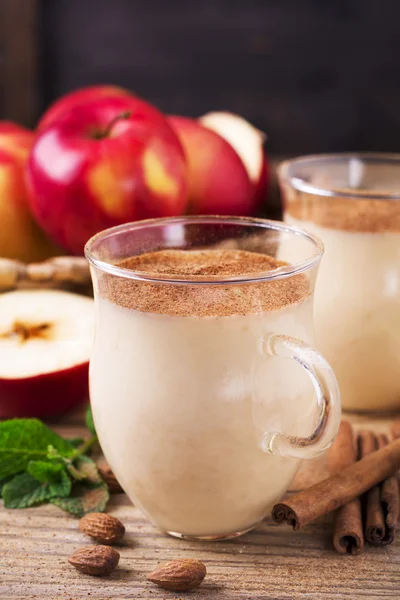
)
(316, 75)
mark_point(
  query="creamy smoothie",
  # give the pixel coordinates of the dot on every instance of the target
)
(182, 391)
(357, 296)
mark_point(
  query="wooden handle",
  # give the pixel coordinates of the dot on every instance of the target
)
(70, 270)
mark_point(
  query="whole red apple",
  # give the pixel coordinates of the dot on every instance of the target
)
(219, 183)
(20, 236)
(69, 101)
(226, 161)
(248, 142)
(108, 159)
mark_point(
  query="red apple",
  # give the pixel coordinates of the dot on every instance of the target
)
(69, 101)
(46, 338)
(109, 159)
(249, 145)
(218, 180)
(20, 236)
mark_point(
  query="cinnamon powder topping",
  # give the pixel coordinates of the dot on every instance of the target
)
(203, 300)
(347, 214)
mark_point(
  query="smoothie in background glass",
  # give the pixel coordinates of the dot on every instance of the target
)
(352, 202)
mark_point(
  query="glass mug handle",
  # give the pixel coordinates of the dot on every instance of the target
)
(328, 399)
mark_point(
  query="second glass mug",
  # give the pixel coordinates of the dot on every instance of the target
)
(199, 412)
(352, 202)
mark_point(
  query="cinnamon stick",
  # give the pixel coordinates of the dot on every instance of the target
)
(390, 499)
(374, 517)
(339, 489)
(348, 536)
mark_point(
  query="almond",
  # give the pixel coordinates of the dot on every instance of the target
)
(179, 575)
(109, 479)
(101, 527)
(95, 560)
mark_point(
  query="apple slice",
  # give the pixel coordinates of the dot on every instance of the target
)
(46, 338)
(248, 142)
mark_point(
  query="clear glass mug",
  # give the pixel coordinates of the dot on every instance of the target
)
(352, 202)
(203, 415)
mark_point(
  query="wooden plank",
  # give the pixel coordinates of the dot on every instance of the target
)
(272, 563)
(19, 61)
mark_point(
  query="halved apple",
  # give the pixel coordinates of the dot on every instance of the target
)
(248, 142)
(46, 338)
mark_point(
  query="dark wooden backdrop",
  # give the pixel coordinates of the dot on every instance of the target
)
(19, 64)
(317, 75)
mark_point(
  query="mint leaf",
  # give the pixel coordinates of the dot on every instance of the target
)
(79, 466)
(89, 492)
(76, 473)
(89, 421)
(88, 469)
(24, 440)
(76, 442)
(24, 491)
(55, 457)
(84, 499)
(3, 483)
(62, 487)
(85, 469)
(45, 472)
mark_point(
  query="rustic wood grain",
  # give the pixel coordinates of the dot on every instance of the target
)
(271, 562)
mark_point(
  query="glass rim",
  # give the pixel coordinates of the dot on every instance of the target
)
(300, 185)
(279, 273)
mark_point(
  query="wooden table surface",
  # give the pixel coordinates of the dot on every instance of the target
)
(272, 562)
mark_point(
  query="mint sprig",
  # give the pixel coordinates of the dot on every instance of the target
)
(37, 465)
(23, 440)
